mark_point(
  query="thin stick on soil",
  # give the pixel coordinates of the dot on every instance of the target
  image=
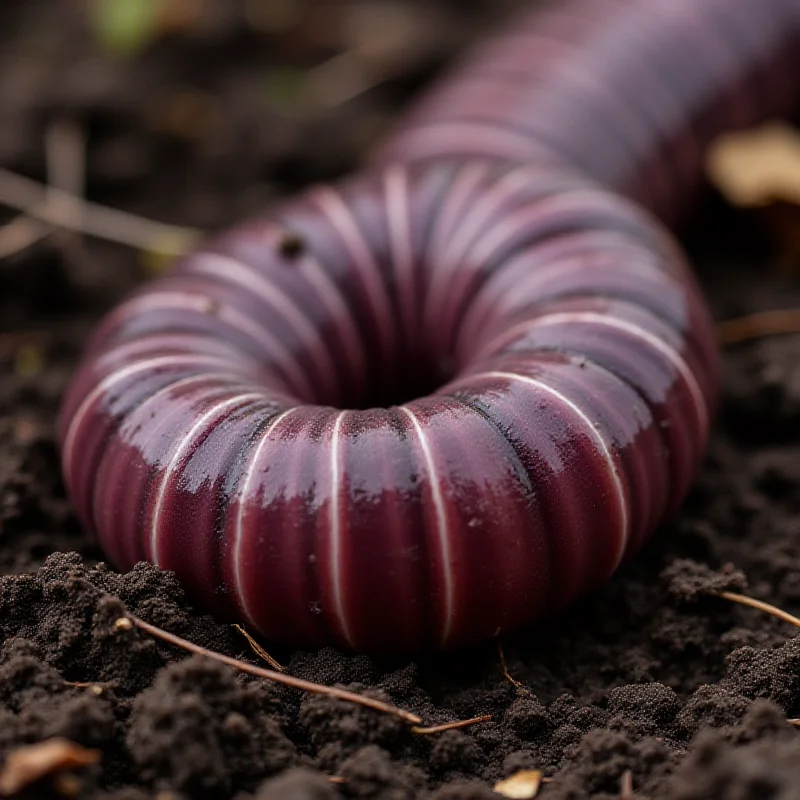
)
(65, 152)
(504, 667)
(272, 675)
(450, 726)
(744, 600)
(754, 326)
(64, 210)
(259, 650)
(95, 687)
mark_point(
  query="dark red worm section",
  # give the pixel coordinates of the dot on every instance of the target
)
(233, 420)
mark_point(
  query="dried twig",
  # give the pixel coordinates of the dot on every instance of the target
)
(125, 623)
(450, 726)
(65, 150)
(65, 153)
(504, 667)
(95, 687)
(754, 326)
(64, 210)
(268, 674)
(259, 650)
(761, 606)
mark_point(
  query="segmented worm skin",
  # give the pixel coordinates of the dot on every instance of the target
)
(233, 421)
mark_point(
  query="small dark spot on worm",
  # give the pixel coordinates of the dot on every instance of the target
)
(291, 246)
(212, 307)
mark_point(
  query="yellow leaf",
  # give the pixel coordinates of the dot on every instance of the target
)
(521, 785)
(757, 167)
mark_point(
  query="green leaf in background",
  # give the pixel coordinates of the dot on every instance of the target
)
(123, 28)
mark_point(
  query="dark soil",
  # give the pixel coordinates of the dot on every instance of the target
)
(688, 692)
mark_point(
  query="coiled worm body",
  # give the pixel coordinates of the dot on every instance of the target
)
(500, 261)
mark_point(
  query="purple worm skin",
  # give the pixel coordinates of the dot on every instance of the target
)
(234, 422)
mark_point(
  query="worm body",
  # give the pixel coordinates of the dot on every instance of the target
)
(499, 266)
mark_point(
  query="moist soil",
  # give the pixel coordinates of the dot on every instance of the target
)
(651, 684)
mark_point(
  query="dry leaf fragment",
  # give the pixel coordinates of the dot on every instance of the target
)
(757, 167)
(28, 764)
(626, 786)
(522, 785)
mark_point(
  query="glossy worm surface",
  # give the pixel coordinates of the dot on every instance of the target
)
(239, 420)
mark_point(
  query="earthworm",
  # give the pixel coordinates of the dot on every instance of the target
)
(449, 394)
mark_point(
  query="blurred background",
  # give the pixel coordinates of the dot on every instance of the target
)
(198, 112)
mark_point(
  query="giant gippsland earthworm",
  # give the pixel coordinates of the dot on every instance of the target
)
(450, 394)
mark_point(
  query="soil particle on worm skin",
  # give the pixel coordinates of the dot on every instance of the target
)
(653, 676)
